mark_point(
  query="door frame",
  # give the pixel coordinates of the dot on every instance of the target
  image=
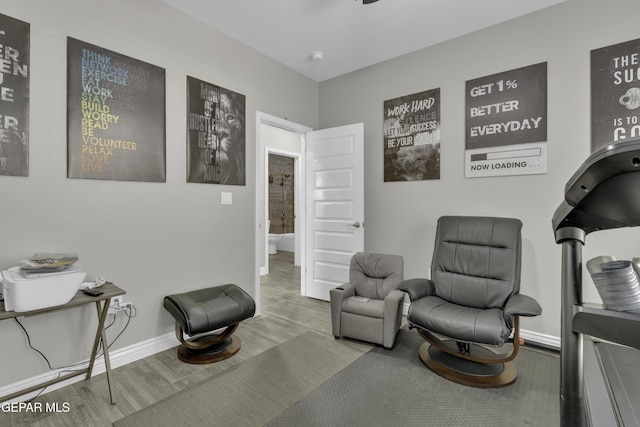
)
(261, 218)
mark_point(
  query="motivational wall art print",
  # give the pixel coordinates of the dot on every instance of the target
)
(14, 96)
(215, 134)
(412, 137)
(115, 116)
(506, 123)
(615, 93)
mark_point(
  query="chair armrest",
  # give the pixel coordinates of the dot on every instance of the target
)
(337, 296)
(393, 304)
(417, 288)
(521, 305)
(342, 292)
(394, 296)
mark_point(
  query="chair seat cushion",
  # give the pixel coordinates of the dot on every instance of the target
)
(483, 326)
(369, 307)
(208, 309)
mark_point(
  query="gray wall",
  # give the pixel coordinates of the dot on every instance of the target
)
(152, 239)
(161, 238)
(400, 216)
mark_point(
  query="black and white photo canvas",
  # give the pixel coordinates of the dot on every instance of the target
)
(14, 96)
(615, 93)
(411, 130)
(216, 141)
(506, 123)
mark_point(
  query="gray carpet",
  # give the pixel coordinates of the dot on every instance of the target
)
(254, 391)
(314, 380)
(385, 388)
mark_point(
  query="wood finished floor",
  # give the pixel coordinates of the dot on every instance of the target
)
(285, 314)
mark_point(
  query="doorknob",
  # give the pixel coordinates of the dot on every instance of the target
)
(355, 225)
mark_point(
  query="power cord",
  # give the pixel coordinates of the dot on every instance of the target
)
(128, 309)
(31, 346)
(51, 368)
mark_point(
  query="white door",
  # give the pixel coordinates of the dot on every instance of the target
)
(334, 211)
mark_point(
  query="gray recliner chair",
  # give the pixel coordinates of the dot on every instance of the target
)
(369, 307)
(472, 301)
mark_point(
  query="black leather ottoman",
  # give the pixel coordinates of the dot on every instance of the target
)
(209, 316)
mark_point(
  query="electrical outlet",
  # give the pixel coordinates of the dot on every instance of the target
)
(116, 302)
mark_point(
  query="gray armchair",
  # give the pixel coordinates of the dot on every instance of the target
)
(369, 307)
(472, 301)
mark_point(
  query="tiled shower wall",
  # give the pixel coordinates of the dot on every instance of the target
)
(281, 194)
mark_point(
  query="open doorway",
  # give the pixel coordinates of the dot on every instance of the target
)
(282, 137)
(283, 203)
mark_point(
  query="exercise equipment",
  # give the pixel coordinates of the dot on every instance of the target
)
(603, 194)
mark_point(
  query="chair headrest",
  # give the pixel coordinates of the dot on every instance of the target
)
(374, 275)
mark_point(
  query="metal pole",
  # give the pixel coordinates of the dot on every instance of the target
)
(572, 409)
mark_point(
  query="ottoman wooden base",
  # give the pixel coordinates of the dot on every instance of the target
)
(200, 357)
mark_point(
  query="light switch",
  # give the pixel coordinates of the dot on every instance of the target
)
(226, 198)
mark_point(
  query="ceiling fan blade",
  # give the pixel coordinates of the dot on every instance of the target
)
(368, 1)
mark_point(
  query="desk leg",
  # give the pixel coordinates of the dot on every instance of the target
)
(102, 336)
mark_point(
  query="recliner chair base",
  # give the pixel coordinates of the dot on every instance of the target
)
(467, 372)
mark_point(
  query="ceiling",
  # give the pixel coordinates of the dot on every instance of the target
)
(351, 35)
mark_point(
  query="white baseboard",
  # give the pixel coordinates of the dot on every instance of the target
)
(546, 340)
(263, 271)
(405, 308)
(118, 358)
